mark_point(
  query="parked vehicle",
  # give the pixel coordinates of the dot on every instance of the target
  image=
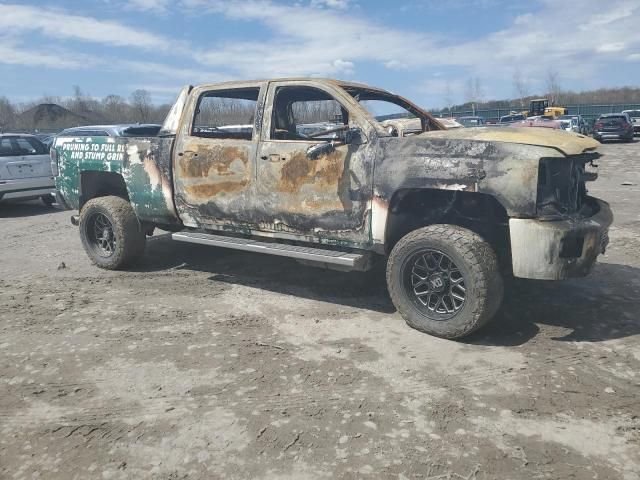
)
(124, 130)
(635, 118)
(449, 123)
(402, 127)
(471, 121)
(518, 117)
(25, 168)
(446, 210)
(574, 123)
(47, 140)
(613, 126)
(537, 121)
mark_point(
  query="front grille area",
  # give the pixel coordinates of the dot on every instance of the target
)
(561, 186)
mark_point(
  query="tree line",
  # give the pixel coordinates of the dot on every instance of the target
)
(51, 113)
(475, 95)
(56, 113)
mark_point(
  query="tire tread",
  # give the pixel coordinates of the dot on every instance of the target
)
(480, 258)
(132, 240)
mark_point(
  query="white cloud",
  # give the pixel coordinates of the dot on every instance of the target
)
(191, 75)
(613, 14)
(338, 4)
(396, 65)
(610, 47)
(155, 6)
(343, 66)
(20, 19)
(159, 89)
(551, 39)
(304, 41)
(336, 38)
(12, 54)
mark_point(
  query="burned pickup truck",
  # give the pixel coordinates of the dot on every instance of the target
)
(305, 168)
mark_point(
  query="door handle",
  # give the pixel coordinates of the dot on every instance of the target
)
(275, 157)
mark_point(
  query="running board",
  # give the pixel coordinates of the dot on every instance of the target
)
(330, 258)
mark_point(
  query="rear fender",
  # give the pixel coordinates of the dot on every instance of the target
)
(143, 163)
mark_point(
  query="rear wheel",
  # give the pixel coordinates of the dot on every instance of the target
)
(444, 280)
(110, 232)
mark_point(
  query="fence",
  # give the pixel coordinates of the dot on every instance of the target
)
(589, 112)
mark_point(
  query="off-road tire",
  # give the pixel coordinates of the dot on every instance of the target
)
(129, 239)
(478, 265)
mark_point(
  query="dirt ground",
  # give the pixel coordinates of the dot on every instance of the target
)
(208, 363)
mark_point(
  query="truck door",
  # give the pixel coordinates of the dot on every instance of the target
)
(314, 176)
(214, 157)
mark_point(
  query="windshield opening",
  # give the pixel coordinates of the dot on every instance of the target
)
(384, 106)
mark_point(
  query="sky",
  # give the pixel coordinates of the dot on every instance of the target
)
(426, 50)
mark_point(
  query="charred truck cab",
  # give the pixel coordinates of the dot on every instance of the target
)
(309, 169)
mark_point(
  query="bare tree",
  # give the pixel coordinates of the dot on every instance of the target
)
(116, 109)
(7, 113)
(520, 87)
(474, 92)
(78, 103)
(554, 91)
(448, 97)
(141, 104)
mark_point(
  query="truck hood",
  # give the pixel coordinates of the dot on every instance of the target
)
(567, 142)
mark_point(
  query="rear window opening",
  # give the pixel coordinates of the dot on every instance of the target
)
(226, 114)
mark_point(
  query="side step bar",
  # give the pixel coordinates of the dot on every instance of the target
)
(342, 260)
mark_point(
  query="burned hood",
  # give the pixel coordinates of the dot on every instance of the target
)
(567, 142)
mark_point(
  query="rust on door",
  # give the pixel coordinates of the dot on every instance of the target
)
(214, 157)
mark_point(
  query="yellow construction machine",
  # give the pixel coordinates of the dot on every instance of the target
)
(540, 107)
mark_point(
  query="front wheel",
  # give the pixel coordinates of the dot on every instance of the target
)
(110, 232)
(444, 280)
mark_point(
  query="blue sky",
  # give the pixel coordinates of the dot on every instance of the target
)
(423, 49)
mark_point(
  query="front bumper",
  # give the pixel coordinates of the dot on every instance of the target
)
(553, 250)
(610, 135)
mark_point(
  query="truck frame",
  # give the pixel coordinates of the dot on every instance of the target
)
(304, 168)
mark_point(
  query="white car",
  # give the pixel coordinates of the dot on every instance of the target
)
(573, 123)
(635, 118)
(25, 168)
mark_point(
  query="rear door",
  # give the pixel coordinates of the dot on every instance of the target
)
(23, 157)
(214, 157)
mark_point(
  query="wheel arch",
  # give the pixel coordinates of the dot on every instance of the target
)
(101, 184)
(410, 209)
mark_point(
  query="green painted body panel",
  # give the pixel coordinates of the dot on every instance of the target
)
(143, 163)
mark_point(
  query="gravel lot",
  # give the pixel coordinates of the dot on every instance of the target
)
(208, 363)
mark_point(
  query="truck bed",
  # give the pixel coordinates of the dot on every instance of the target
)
(143, 162)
